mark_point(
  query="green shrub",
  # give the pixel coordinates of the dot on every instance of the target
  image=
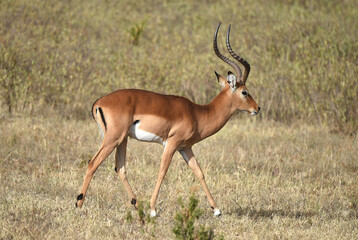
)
(184, 226)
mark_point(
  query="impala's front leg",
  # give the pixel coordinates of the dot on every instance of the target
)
(188, 156)
(121, 170)
(164, 165)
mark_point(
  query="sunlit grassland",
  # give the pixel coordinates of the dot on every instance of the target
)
(270, 181)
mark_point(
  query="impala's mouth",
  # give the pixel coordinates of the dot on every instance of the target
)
(254, 112)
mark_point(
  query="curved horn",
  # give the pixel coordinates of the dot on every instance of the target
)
(222, 57)
(238, 58)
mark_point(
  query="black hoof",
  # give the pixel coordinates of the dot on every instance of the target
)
(80, 197)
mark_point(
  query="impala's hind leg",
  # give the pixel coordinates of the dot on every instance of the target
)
(169, 151)
(121, 169)
(107, 147)
(189, 157)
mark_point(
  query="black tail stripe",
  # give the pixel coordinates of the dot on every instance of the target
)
(103, 120)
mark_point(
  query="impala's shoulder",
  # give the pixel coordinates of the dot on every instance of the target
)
(180, 98)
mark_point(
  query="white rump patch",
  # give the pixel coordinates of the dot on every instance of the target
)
(142, 135)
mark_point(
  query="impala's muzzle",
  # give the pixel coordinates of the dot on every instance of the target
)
(254, 112)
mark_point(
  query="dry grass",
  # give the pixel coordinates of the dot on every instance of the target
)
(271, 181)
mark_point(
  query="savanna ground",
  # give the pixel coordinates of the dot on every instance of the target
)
(270, 181)
(288, 173)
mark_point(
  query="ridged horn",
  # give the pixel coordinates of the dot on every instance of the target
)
(225, 59)
(238, 58)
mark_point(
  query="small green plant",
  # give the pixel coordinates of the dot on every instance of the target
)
(141, 214)
(184, 227)
(136, 32)
(142, 217)
(129, 217)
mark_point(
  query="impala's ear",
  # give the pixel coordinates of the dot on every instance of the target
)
(221, 79)
(231, 80)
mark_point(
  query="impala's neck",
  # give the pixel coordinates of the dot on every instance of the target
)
(213, 116)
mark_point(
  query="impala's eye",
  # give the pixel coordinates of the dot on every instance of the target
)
(244, 93)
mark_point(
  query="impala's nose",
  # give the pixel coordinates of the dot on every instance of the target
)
(253, 113)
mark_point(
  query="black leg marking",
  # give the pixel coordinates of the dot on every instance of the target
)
(76, 204)
(133, 202)
(79, 197)
(116, 169)
(103, 120)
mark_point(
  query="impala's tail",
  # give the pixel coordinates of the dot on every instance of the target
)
(98, 116)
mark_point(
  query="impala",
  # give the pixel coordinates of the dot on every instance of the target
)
(175, 122)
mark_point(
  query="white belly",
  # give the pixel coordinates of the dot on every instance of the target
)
(142, 135)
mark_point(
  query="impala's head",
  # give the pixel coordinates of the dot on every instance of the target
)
(242, 100)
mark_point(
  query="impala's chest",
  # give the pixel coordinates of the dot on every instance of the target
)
(142, 135)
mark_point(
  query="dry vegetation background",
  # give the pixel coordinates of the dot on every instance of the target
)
(289, 173)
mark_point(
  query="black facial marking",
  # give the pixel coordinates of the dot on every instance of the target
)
(80, 197)
(133, 202)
